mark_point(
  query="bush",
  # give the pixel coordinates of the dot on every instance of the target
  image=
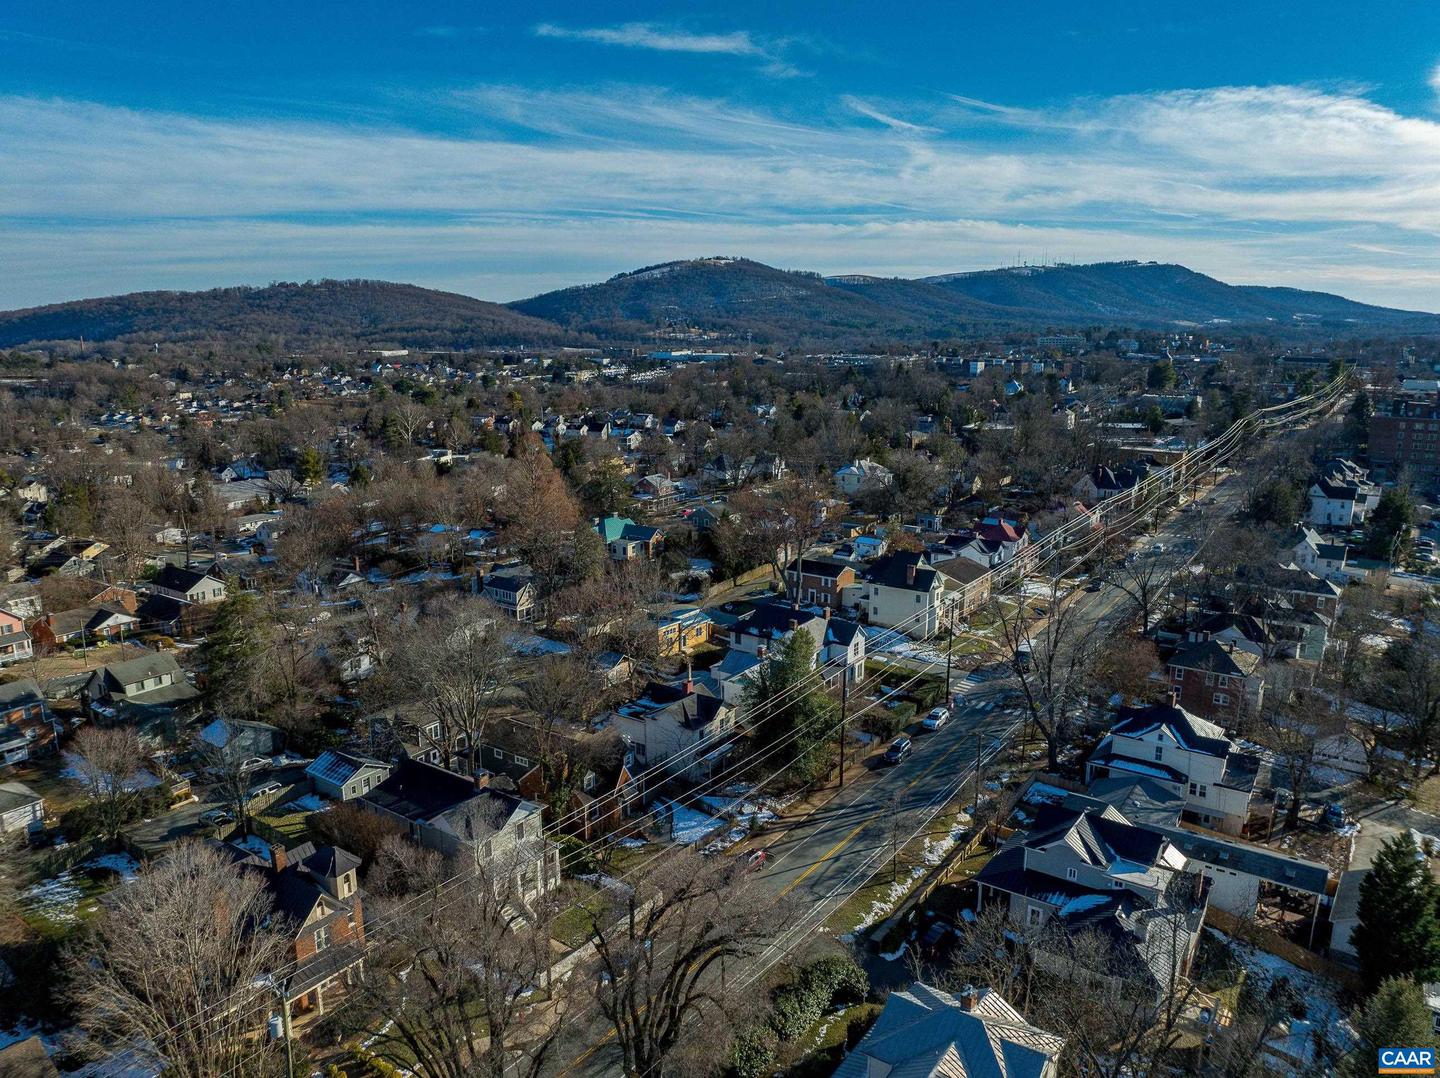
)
(578, 857)
(752, 1055)
(847, 982)
(885, 722)
(929, 693)
(822, 985)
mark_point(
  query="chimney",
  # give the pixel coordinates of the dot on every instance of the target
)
(689, 678)
(356, 560)
(277, 857)
(1174, 697)
(481, 779)
(969, 997)
(910, 574)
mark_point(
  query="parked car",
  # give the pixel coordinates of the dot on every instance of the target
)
(216, 817)
(1334, 816)
(264, 789)
(1158, 548)
(937, 718)
(255, 763)
(898, 750)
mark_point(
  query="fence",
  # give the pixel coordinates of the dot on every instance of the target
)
(1248, 932)
(764, 572)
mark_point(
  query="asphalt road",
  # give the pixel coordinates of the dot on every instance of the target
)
(820, 858)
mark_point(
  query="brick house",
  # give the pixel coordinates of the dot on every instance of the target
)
(819, 580)
(83, 626)
(26, 725)
(1216, 679)
(316, 891)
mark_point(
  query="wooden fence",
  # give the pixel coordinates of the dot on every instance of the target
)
(1247, 931)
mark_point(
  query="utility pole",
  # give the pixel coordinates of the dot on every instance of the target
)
(949, 653)
(976, 815)
(844, 716)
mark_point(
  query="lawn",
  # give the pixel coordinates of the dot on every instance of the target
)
(583, 901)
(818, 1051)
(292, 825)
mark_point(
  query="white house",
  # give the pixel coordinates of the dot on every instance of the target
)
(21, 808)
(902, 591)
(1342, 496)
(1315, 555)
(1185, 755)
(682, 726)
(861, 475)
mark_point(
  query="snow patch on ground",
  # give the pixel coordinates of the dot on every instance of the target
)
(1042, 793)
(308, 803)
(56, 899)
(936, 849)
(690, 825)
(125, 866)
(1323, 1009)
(253, 844)
(882, 906)
(610, 883)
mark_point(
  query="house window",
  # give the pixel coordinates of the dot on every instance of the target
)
(1159, 752)
(1033, 915)
(523, 761)
(322, 937)
(589, 781)
(1220, 699)
(1177, 674)
(499, 754)
(1072, 873)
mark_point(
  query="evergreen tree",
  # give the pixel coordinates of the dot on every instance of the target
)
(309, 466)
(231, 652)
(1391, 521)
(781, 710)
(1399, 933)
(1395, 1016)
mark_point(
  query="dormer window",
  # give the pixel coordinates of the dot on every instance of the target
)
(1072, 873)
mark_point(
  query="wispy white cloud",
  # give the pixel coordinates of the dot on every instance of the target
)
(449, 32)
(1290, 185)
(870, 112)
(658, 38)
(1435, 78)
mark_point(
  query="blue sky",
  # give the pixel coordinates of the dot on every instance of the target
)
(501, 150)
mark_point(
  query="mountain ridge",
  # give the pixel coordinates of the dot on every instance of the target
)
(726, 296)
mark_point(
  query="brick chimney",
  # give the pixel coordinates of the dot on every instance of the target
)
(278, 860)
(689, 678)
(969, 997)
(910, 574)
(1174, 695)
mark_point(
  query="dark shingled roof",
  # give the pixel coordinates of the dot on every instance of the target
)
(893, 571)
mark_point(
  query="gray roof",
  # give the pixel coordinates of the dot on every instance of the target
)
(22, 693)
(924, 1032)
(15, 795)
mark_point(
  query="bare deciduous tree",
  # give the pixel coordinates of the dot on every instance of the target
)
(464, 986)
(1050, 660)
(177, 973)
(660, 945)
(110, 763)
(449, 665)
